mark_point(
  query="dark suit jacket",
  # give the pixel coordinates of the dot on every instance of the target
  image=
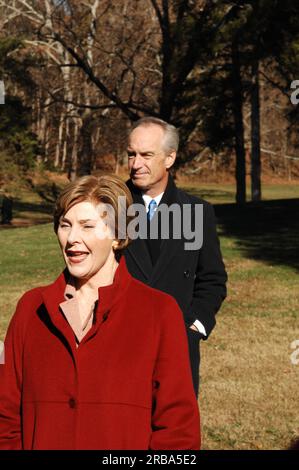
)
(196, 279)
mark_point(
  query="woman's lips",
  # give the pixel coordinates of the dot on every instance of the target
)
(76, 256)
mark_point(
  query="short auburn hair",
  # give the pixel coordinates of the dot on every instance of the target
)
(96, 189)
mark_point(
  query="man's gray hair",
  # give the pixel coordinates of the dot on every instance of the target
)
(171, 133)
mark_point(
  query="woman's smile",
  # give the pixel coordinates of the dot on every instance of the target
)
(76, 256)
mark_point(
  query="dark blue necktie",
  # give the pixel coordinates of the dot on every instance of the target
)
(151, 209)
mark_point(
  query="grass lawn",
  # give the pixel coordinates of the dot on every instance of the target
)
(249, 387)
(30, 257)
(225, 193)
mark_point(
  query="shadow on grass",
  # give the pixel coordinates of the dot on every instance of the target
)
(45, 208)
(26, 214)
(210, 194)
(268, 230)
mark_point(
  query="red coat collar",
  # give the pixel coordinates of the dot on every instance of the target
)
(109, 296)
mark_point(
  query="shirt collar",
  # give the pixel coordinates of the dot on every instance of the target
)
(147, 199)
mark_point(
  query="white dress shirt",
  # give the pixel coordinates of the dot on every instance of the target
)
(147, 199)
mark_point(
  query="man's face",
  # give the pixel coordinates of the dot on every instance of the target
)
(148, 161)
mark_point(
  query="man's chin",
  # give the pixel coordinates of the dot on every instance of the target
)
(140, 181)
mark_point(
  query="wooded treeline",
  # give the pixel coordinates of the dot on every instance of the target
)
(77, 72)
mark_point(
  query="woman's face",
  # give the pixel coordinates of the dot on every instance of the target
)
(86, 241)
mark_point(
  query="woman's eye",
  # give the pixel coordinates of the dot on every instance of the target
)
(64, 225)
(88, 226)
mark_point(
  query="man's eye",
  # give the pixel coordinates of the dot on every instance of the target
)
(147, 155)
(88, 226)
(63, 225)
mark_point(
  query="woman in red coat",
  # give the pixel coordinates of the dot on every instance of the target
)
(96, 360)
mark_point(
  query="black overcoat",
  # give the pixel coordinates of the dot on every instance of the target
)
(195, 278)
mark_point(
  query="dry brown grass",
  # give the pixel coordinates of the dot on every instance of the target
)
(249, 387)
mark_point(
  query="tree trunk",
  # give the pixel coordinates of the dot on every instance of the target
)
(72, 174)
(65, 144)
(59, 144)
(38, 128)
(95, 138)
(68, 76)
(255, 134)
(44, 131)
(86, 150)
(238, 125)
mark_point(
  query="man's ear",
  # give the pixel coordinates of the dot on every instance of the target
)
(170, 159)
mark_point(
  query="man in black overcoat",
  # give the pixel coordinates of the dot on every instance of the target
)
(189, 269)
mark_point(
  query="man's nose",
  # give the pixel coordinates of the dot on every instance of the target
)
(137, 162)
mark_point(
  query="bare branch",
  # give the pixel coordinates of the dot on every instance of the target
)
(89, 72)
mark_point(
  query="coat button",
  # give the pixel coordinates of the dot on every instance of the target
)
(187, 273)
(72, 403)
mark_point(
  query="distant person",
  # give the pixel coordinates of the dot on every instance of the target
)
(96, 360)
(294, 444)
(195, 278)
(6, 209)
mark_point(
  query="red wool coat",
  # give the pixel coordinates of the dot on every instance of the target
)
(127, 386)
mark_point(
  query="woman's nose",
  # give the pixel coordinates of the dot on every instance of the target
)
(73, 235)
